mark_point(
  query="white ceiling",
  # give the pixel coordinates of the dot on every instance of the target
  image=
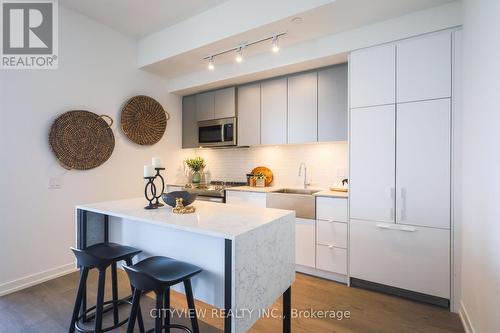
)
(138, 18)
(339, 16)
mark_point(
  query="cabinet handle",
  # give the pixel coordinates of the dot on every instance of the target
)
(330, 247)
(402, 211)
(392, 195)
(396, 227)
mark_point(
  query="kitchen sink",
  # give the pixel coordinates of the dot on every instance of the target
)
(296, 191)
(301, 201)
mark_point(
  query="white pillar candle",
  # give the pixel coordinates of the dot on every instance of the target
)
(149, 171)
(156, 161)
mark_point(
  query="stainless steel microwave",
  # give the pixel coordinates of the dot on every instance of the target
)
(217, 133)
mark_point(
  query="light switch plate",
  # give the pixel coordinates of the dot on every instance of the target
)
(54, 183)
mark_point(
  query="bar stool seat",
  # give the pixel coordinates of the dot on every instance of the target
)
(165, 271)
(107, 253)
(101, 256)
(158, 274)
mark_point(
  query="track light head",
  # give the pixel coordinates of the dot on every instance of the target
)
(239, 55)
(275, 46)
(211, 65)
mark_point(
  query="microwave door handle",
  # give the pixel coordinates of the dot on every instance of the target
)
(222, 133)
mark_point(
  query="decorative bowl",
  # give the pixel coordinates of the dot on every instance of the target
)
(187, 198)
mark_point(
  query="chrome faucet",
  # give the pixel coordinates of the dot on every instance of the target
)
(303, 165)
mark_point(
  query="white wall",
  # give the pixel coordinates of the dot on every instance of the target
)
(97, 72)
(481, 160)
(326, 163)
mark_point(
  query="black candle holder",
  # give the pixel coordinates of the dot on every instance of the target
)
(157, 202)
(150, 189)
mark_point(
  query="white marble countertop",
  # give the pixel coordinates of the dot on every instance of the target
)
(213, 219)
(332, 194)
(268, 189)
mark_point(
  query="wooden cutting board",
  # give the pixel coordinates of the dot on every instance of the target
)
(266, 171)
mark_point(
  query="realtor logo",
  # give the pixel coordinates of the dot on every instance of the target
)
(29, 34)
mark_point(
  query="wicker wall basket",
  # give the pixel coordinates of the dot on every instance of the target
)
(82, 140)
(144, 120)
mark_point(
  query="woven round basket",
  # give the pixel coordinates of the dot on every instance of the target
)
(144, 120)
(82, 140)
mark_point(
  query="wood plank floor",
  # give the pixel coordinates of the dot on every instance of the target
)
(47, 308)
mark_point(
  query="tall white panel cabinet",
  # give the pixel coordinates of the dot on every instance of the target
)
(273, 101)
(400, 165)
(373, 73)
(372, 168)
(424, 68)
(423, 153)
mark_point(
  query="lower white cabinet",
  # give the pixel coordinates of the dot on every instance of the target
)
(331, 209)
(254, 199)
(409, 257)
(331, 233)
(305, 242)
(332, 259)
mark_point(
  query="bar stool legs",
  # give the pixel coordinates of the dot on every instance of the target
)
(79, 296)
(100, 301)
(191, 306)
(114, 291)
(166, 306)
(139, 314)
(134, 311)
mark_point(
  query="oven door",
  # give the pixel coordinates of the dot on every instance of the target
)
(219, 132)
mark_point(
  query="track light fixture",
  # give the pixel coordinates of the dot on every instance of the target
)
(239, 55)
(211, 65)
(239, 49)
(275, 46)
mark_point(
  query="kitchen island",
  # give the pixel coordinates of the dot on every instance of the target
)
(247, 254)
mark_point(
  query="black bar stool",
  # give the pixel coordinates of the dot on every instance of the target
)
(158, 274)
(101, 256)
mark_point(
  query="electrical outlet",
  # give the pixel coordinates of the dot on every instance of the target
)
(54, 183)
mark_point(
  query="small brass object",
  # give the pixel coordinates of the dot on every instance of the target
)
(180, 209)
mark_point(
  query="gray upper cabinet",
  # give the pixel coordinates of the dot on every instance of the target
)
(332, 103)
(303, 108)
(216, 104)
(189, 122)
(273, 111)
(225, 103)
(249, 115)
(205, 106)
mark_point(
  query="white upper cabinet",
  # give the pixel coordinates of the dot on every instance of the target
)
(303, 108)
(205, 105)
(423, 163)
(372, 163)
(424, 68)
(249, 115)
(373, 76)
(332, 103)
(274, 111)
(225, 103)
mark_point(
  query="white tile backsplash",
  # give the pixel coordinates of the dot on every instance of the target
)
(326, 163)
